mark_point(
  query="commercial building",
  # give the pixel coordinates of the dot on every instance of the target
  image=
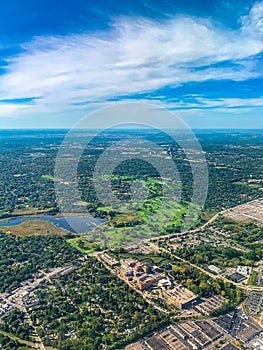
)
(180, 296)
(109, 260)
(215, 269)
(210, 304)
(244, 270)
(237, 277)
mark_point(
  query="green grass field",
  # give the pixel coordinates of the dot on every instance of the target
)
(157, 216)
(247, 184)
(253, 278)
(152, 224)
(75, 242)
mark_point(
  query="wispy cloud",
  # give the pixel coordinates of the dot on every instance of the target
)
(10, 109)
(136, 55)
(200, 102)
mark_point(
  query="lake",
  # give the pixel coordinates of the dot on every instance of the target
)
(74, 224)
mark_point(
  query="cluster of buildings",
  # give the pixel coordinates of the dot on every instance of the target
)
(252, 210)
(190, 335)
(238, 274)
(5, 309)
(198, 334)
(239, 326)
(224, 333)
(241, 273)
(142, 274)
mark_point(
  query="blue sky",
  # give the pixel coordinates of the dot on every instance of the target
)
(59, 60)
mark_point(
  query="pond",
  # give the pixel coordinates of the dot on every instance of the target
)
(74, 224)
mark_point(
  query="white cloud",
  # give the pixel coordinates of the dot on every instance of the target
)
(198, 102)
(254, 21)
(136, 55)
(9, 109)
(223, 103)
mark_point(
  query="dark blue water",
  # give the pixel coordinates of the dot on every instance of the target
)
(74, 224)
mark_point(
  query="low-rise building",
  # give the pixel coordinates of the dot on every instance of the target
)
(164, 284)
(210, 304)
(215, 269)
(180, 296)
(244, 270)
(109, 260)
(237, 277)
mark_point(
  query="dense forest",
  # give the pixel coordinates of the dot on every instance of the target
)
(28, 159)
(21, 257)
(220, 256)
(91, 309)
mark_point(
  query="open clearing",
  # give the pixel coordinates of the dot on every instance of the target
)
(33, 228)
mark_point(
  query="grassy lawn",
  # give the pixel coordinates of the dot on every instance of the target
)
(48, 177)
(74, 242)
(253, 278)
(27, 344)
(33, 228)
(247, 184)
(151, 258)
(151, 220)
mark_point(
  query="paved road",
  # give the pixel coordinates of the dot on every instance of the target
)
(21, 341)
(174, 235)
(157, 307)
(15, 299)
(184, 233)
(38, 340)
(246, 287)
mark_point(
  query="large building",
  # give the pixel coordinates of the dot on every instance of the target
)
(128, 263)
(149, 281)
(180, 296)
(142, 274)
